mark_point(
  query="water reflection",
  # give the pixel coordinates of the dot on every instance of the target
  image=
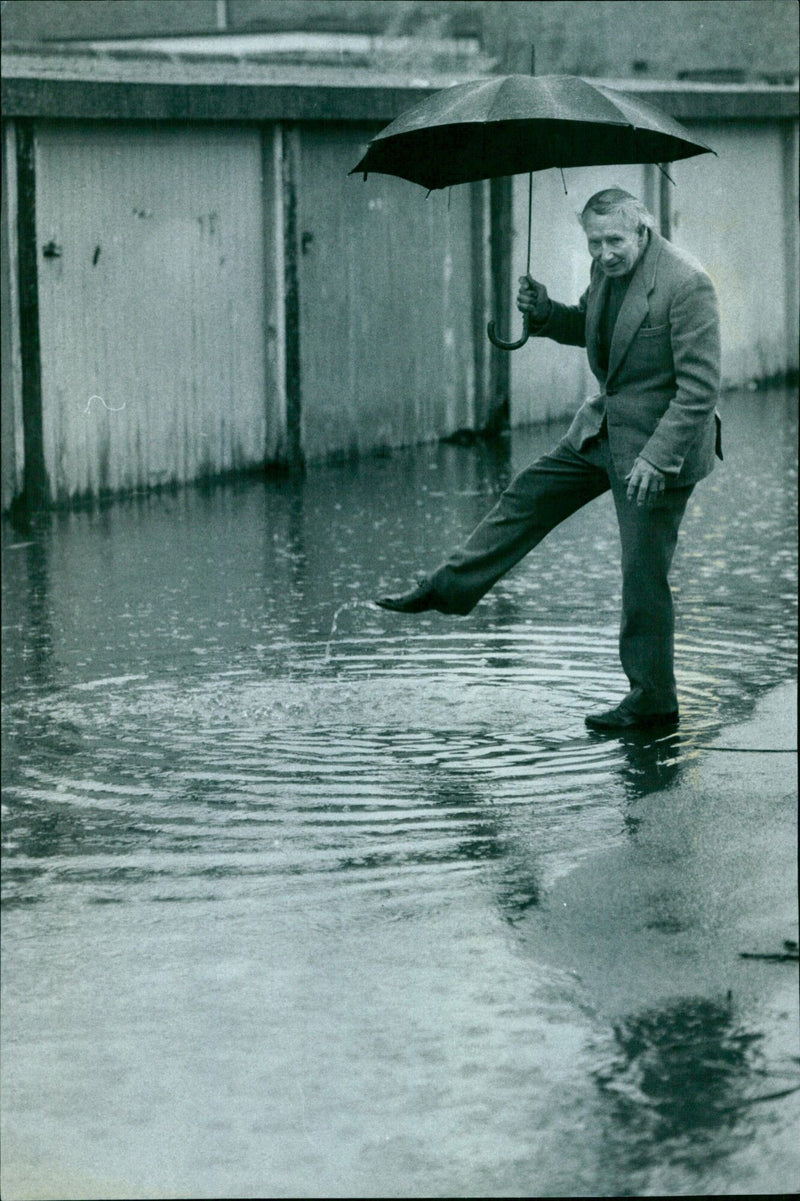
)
(680, 1081)
(652, 764)
(519, 887)
(220, 765)
(39, 635)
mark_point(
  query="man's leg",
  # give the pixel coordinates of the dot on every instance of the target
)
(646, 644)
(536, 501)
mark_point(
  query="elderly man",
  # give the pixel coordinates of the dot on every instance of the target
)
(650, 325)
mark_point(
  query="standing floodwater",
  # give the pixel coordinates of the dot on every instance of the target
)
(307, 899)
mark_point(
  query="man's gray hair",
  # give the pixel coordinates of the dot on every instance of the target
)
(617, 200)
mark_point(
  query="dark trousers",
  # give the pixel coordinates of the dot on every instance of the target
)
(535, 502)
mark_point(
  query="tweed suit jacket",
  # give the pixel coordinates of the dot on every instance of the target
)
(662, 384)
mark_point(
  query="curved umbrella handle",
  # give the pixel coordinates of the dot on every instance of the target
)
(501, 345)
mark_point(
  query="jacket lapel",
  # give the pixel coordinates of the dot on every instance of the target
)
(595, 303)
(634, 306)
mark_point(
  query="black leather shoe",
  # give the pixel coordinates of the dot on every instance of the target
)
(624, 719)
(416, 600)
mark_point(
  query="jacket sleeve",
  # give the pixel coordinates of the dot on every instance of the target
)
(694, 333)
(566, 323)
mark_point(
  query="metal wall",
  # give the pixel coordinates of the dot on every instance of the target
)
(736, 213)
(11, 450)
(214, 298)
(151, 305)
(385, 284)
(211, 298)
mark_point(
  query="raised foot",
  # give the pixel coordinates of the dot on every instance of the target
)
(416, 600)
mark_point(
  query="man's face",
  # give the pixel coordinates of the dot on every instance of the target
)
(614, 243)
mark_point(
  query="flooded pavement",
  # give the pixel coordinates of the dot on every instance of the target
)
(303, 898)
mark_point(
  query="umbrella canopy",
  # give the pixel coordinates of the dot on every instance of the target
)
(512, 124)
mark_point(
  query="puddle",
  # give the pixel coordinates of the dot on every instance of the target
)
(269, 848)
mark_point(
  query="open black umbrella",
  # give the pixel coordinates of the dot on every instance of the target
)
(510, 124)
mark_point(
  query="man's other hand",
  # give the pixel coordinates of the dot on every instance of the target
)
(532, 299)
(645, 483)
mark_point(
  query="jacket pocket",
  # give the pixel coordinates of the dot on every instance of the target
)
(651, 331)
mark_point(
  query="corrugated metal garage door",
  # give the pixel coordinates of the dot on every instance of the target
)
(385, 280)
(151, 301)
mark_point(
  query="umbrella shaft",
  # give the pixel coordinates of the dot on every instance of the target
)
(530, 210)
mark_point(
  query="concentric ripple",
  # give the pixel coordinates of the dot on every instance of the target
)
(279, 866)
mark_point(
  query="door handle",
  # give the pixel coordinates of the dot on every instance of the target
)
(52, 250)
(305, 241)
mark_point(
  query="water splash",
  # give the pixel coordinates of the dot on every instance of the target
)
(352, 604)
